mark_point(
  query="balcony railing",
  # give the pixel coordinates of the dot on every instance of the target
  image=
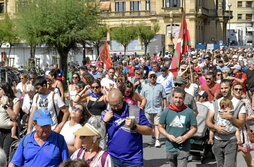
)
(127, 14)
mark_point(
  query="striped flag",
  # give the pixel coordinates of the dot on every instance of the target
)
(105, 56)
(183, 45)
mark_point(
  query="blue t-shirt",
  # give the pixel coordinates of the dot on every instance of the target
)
(123, 144)
(53, 151)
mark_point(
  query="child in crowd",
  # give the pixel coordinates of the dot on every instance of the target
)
(226, 105)
(7, 121)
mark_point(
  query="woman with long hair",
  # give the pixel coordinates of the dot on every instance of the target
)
(55, 83)
(72, 88)
(237, 90)
(10, 107)
(132, 97)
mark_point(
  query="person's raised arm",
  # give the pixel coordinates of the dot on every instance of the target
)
(30, 120)
(64, 119)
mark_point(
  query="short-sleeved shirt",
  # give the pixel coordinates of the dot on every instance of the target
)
(211, 91)
(178, 123)
(189, 101)
(167, 82)
(45, 102)
(53, 151)
(154, 95)
(123, 144)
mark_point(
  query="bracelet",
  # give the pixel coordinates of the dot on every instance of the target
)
(134, 127)
(104, 121)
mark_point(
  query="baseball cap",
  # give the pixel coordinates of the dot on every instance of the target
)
(238, 67)
(202, 94)
(42, 117)
(151, 73)
(164, 68)
(87, 130)
(83, 68)
(235, 57)
(225, 70)
(180, 80)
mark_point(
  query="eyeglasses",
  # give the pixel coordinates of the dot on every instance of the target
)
(208, 78)
(138, 73)
(177, 84)
(95, 87)
(238, 89)
(74, 77)
(22, 78)
(219, 74)
(118, 81)
(152, 77)
(76, 109)
(116, 105)
(82, 137)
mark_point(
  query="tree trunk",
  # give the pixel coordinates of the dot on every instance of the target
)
(32, 51)
(63, 52)
(125, 48)
(84, 53)
(98, 51)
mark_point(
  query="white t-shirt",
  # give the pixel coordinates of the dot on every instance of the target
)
(67, 131)
(235, 102)
(27, 102)
(44, 102)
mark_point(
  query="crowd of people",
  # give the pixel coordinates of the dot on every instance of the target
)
(99, 118)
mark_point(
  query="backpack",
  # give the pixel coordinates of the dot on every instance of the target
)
(103, 159)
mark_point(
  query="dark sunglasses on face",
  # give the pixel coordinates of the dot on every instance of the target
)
(208, 78)
(152, 77)
(75, 77)
(138, 73)
(95, 87)
(76, 109)
(238, 89)
(219, 74)
(118, 81)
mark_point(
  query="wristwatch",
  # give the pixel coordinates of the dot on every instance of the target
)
(134, 127)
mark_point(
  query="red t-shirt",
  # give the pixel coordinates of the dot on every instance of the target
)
(211, 91)
(241, 75)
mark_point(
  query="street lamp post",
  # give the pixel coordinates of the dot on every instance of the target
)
(229, 16)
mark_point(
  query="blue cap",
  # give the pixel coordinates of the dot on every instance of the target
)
(42, 117)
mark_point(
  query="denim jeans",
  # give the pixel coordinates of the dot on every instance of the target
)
(119, 163)
(178, 158)
(225, 152)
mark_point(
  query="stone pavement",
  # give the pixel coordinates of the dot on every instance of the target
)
(155, 157)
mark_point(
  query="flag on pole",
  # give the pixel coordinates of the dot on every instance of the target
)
(183, 45)
(105, 56)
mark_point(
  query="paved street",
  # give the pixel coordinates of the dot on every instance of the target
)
(155, 157)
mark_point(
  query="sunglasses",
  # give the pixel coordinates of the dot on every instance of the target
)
(95, 87)
(177, 84)
(118, 81)
(219, 74)
(152, 77)
(138, 73)
(75, 77)
(208, 78)
(76, 109)
(238, 89)
(22, 78)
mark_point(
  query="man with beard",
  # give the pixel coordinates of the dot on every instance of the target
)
(225, 144)
(125, 125)
(42, 147)
(108, 82)
(178, 124)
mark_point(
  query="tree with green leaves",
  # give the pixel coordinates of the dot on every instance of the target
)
(124, 35)
(7, 32)
(59, 23)
(147, 33)
(96, 36)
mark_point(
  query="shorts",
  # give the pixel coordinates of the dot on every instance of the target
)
(153, 118)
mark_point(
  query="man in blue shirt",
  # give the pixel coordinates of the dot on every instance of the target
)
(125, 126)
(42, 147)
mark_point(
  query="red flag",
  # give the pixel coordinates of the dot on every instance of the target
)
(105, 56)
(183, 45)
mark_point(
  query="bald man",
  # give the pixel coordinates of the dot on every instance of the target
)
(125, 124)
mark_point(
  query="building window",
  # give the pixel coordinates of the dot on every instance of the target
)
(1, 7)
(135, 6)
(249, 17)
(172, 3)
(148, 5)
(249, 33)
(248, 4)
(239, 4)
(120, 6)
(239, 16)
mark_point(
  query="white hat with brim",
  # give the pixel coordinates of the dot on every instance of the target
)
(87, 130)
